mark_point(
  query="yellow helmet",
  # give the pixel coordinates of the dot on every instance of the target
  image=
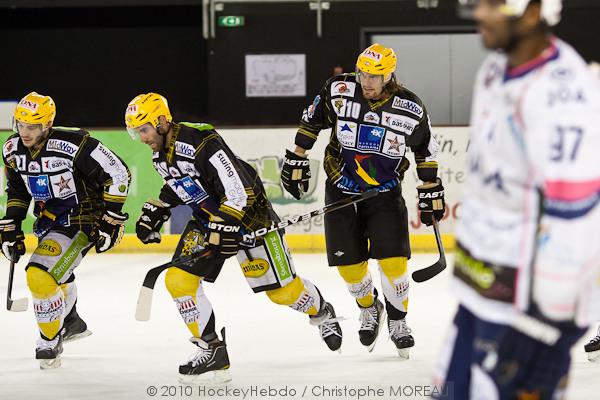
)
(35, 109)
(377, 60)
(144, 109)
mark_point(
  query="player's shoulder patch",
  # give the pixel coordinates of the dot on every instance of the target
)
(407, 101)
(10, 146)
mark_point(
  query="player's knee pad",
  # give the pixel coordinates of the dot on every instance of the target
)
(180, 283)
(287, 294)
(354, 273)
(393, 267)
(41, 284)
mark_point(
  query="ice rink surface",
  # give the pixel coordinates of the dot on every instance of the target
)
(270, 346)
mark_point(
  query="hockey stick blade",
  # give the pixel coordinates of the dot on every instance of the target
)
(427, 273)
(16, 305)
(144, 302)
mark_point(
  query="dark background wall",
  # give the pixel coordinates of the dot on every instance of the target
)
(94, 59)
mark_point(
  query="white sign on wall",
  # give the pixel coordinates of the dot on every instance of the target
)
(275, 75)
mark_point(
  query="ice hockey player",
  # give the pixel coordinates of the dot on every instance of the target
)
(374, 119)
(528, 260)
(227, 199)
(78, 187)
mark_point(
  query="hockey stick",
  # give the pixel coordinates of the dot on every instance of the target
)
(16, 305)
(144, 303)
(427, 273)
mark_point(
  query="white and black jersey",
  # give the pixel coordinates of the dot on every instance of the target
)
(72, 178)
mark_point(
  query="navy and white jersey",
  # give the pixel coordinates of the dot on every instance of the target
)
(369, 140)
(201, 171)
(72, 177)
(530, 214)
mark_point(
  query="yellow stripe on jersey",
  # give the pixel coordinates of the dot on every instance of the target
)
(113, 198)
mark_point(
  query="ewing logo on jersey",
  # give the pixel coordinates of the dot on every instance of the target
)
(407, 105)
(184, 150)
(346, 133)
(399, 123)
(370, 137)
(62, 146)
(341, 88)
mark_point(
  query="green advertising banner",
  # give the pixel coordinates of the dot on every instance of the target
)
(145, 181)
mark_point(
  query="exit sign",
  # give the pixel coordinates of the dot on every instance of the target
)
(231, 21)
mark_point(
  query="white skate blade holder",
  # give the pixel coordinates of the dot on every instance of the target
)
(594, 356)
(404, 354)
(208, 378)
(50, 363)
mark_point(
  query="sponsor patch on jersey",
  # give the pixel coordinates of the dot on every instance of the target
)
(346, 133)
(48, 247)
(399, 123)
(232, 184)
(9, 146)
(310, 111)
(339, 106)
(174, 172)
(39, 187)
(184, 150)
(62, 146)
(407, 105)
(372, 117)
(161, 168)
(255, 268)
(63, 185)
(370, 137)
(341, 88)
(34, 167)
(53, 164)
(393, 145)
(188, 190)
(188, 168)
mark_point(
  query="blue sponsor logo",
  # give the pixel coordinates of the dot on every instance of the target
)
(370, 137)
(194, 190)
(39, 187)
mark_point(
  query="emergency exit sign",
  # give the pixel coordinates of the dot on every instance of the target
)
(231, 21)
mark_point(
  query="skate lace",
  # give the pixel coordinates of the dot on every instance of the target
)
(330, 327)
(368, 318)
(200, 356)
(595, 340)
(398, 328)
(46, 344)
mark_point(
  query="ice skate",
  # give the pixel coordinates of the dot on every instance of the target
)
(400, 335)
(209, 364)
(329, 328)
(75, 328)
(370, 319)
(592, 348)
(48, 352)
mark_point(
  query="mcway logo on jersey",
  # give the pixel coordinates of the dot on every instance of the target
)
(184, 149)
(346, 133)
(370, 137)
(407, 105)
(62, 146)
(341, 88)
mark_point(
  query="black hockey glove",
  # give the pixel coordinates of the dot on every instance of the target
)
(154, 214)
(295, 174)
(110, 230)
(223, 239)
(12, 239)
(431, 201)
